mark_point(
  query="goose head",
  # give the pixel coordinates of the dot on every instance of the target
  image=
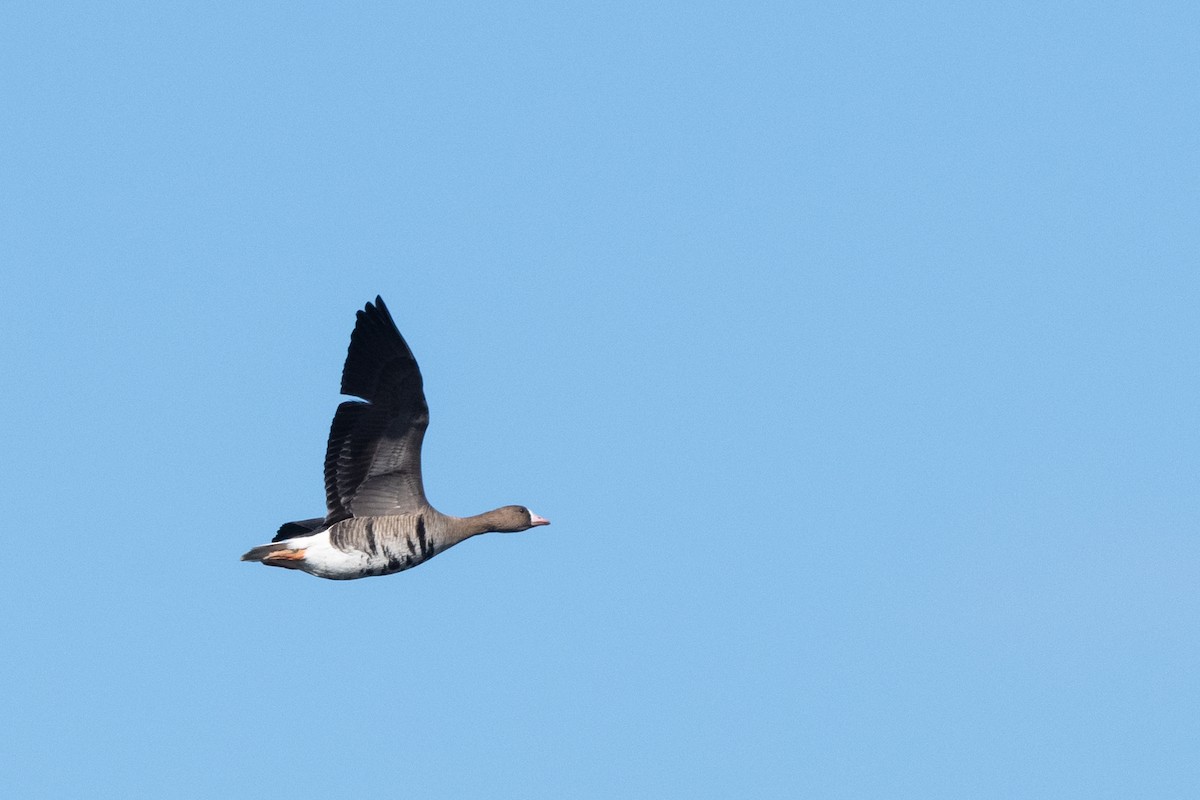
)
(512, 519)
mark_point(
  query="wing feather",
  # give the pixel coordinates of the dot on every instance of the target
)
(373, 457)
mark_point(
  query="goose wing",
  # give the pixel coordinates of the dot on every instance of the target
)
(373, 458)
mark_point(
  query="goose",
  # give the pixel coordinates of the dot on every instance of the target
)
(378, 520)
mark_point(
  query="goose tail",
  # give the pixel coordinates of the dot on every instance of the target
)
(261, 552)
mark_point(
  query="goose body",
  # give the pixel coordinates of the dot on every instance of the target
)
(378, 520)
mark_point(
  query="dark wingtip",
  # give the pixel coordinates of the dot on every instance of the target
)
(381, 310)
(375, 346)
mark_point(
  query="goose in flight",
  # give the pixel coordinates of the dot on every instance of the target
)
(378, 521)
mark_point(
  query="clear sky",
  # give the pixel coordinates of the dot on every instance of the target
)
(851, 348)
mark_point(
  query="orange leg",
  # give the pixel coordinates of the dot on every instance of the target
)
(285, 555)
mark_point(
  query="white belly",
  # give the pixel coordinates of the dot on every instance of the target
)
(326, 561)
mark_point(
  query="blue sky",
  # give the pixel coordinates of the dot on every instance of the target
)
(852, 350)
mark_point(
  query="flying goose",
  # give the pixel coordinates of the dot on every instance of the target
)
(379, 521)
